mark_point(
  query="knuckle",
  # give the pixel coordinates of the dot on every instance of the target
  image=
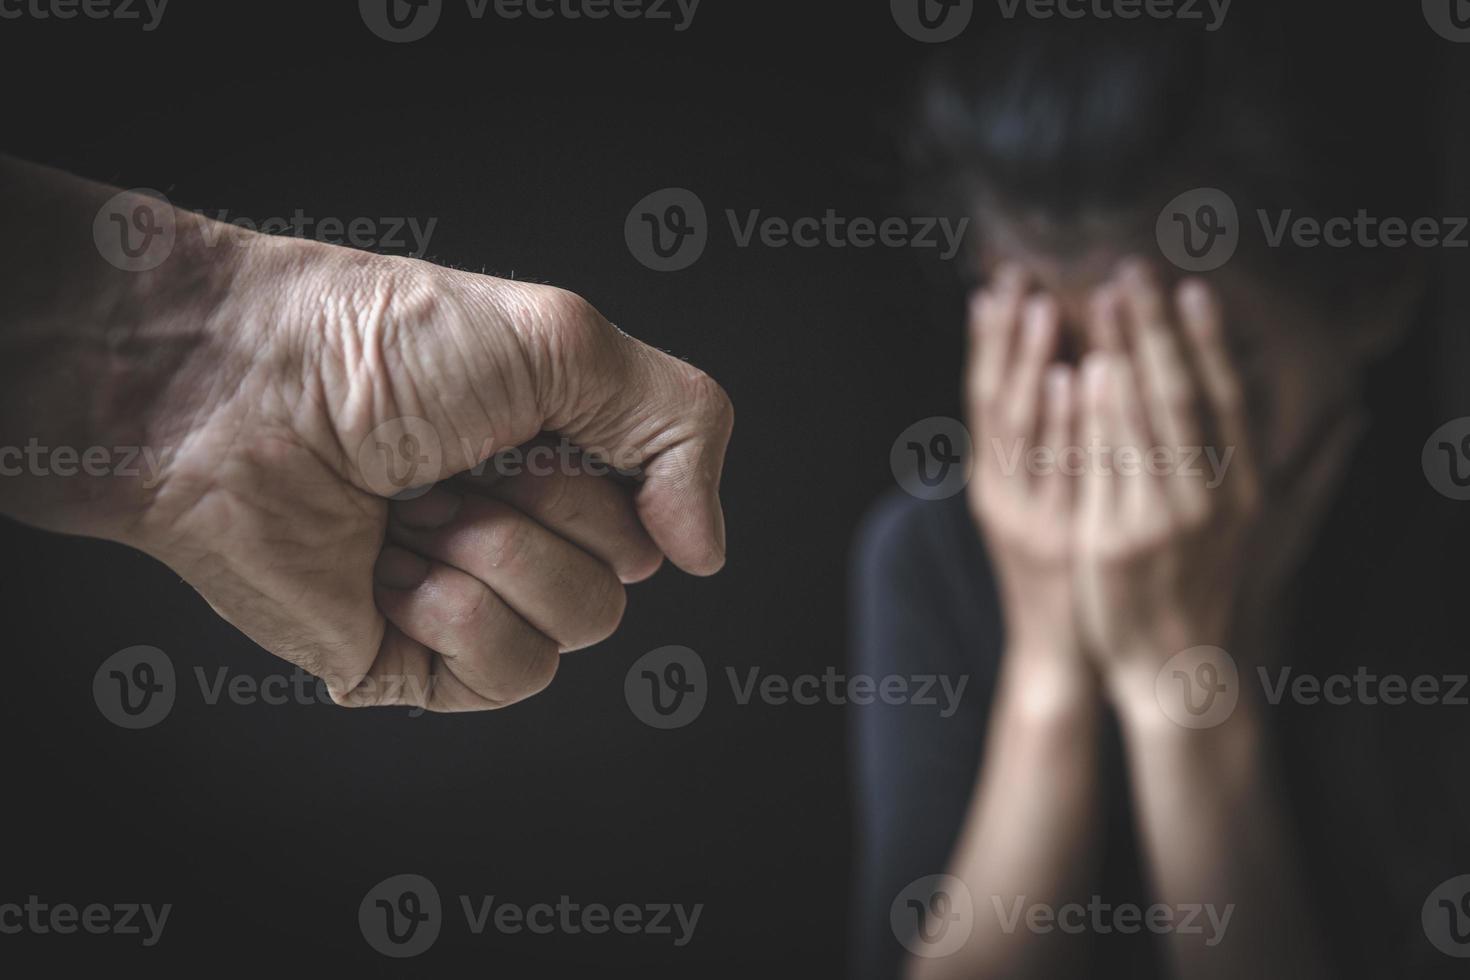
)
(505, 539)
(469, 609)
(535, 667)
(602, 613)
(555, 500)
(711, 402)
(563, 309)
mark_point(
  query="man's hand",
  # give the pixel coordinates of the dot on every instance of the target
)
(291, 387)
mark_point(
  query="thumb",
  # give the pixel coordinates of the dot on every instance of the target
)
(643, 411)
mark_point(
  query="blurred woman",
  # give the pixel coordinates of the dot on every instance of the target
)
(1189, 492)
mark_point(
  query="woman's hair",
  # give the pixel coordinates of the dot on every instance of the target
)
(1323, 111)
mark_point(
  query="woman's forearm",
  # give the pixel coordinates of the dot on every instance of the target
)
(1213, 823)
(1031, 837)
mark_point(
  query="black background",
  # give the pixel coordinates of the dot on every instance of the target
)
(530, 141)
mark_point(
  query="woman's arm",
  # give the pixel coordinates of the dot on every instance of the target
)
(1161, 564)
(1031, 841)
(1030, 844)
(1211, 815)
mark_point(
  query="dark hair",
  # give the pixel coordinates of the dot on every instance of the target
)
(1319, 110)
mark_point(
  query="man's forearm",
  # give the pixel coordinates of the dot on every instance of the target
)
(91, 342)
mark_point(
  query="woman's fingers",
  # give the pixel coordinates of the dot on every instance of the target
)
(592, 512)
(1137, 478)
(1203, 326)
(483, 643)
(1023, 394)
(1097, 494)
(1104, 324)
(1056, 488)
(555, 586)
(1169, 391)
(993, 326)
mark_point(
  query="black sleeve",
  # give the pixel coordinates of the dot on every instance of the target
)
(923, 606)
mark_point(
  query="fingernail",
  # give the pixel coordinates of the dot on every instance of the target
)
(434, 509)
(397, 568)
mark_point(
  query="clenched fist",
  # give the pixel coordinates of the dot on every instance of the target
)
(289, 389)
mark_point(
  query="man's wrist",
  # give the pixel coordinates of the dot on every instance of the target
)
(104, 385)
